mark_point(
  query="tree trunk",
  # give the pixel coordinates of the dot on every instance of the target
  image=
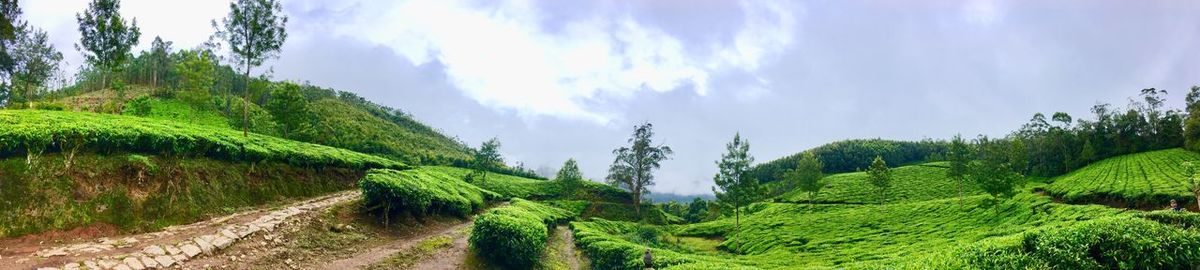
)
(1197, 193)
(246, 103)
(737, 224)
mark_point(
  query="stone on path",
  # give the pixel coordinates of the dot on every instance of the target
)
(190, 250)
(154, 250)
(172, 250)
(133, 263)
(221, 242)
(204, 245)
(148, 262)
(164, 260)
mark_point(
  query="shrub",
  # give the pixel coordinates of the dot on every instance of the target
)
(421, 191)
(514, 236)
(1115, 243)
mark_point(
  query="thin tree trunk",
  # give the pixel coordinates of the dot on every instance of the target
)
(737, 225)
(246, 103)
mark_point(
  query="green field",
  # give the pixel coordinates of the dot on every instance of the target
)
(909, 184)
(1149, 179)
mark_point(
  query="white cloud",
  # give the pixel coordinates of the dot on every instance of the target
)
(982, 12)
(500, 56)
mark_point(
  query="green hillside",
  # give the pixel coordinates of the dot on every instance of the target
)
(909, 184)
(1147, 179)
(854, 155)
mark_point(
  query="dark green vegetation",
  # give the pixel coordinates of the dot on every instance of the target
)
(514, 236)
(855, 155)
(135, 193)
(422, 191)
(33, 132)
(1144, 179)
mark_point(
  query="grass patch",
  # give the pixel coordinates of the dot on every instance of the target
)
(514, 236)
(421, 192)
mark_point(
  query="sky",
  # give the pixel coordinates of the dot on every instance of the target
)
(557, 79)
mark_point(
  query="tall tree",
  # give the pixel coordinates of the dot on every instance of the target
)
(255, 31)
(35, 60)
(880, 176)
(569, 176)
(196, 68)
(160, 59)
(487, 158)
(10, 15)
(807, 175)
(696, 210)
(992, 171)
(1191, 130)
(1193, 181)
(106, 37)
(290, 109)
(569, 171)
(634, 165)
(735, 186)
(959, 156)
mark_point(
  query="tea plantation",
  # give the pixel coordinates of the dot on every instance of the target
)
(909, 183)
(1149, 178)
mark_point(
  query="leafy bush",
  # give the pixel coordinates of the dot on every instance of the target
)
(421, 191)
(514, 236)
(1115, 243)
(603, 243)
(533, 189)
(37, 131)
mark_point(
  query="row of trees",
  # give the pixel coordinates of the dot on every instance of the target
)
(254, 31)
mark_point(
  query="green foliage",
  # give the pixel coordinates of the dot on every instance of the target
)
(291, 111)
(993, 170)
(486, 158)
(104, 36)
(510, 186)
(634, 165)
(880, 177)
(958, 156)
(909, 183)
(54, 131)
(174, 110)
(514, 236)
(1191, 128)
(421, 191)
(854, 155)
(1110, 243)
(807, 176)
(1150, 178)
(613, 245)
(570, 176)
(35, 62)
(195, 68)
(368, 128)
(833, 235)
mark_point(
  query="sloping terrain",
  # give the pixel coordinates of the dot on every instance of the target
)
(909, 184)
(1148, 179)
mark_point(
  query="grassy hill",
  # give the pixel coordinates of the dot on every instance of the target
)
(340, 119)
(909, 184)
(854, 155)
(1144, 179)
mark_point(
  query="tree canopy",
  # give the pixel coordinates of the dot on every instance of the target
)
(633, 167)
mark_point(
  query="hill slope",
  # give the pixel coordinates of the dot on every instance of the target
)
(1146, 179)
(909, 183)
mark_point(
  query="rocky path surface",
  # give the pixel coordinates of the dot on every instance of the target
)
(567, 248)
(173, 247)
(453, 257)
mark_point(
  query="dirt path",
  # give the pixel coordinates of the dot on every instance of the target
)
(568, 247)
(173, 246)
(453, 257)
(442, 260)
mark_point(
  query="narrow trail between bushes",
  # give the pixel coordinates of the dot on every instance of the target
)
(382, 253)
(452, 257)
(176, 246)
(567, 247)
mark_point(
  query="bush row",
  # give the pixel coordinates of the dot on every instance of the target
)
(600, 239)
(26, 131)
(514, 236)
(1124, 242)
(533, 189)
(421, 191)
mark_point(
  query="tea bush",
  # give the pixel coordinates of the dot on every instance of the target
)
(38, 131)
(514, 236)
(421, 191)
(1149, 178)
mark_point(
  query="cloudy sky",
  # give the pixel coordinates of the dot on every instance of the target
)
(560, 79)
